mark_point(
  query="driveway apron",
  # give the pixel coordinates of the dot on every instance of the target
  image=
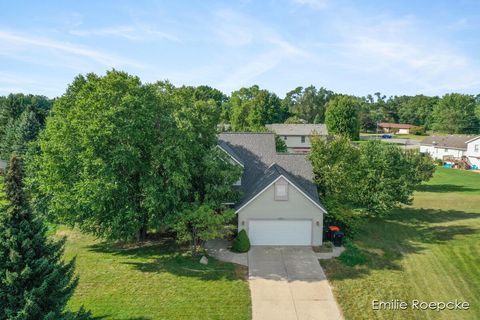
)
(289, 283)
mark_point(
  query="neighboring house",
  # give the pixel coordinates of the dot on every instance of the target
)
(473, 151)
(397, 128)
(453, 147)
(279, 203)
(297, 136)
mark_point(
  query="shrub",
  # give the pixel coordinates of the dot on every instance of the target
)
(241, 243)
(438, 162)
(418, 131)
(352, 255)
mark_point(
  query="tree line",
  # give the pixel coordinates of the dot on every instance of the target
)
(22, 116)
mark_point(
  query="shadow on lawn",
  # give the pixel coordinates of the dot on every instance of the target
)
(165, 256)
(445, 188)
(406, 231)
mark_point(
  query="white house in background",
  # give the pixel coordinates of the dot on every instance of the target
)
(473, 151)
(453, 147)
(297, 136)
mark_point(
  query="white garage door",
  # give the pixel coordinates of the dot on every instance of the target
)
(280, 232)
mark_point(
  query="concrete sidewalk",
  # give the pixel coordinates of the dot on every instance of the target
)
(289, 283)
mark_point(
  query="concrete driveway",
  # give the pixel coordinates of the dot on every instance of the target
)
(289, 283)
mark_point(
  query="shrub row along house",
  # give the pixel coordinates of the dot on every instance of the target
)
(297, 136)
(453, 147)
(279, 203)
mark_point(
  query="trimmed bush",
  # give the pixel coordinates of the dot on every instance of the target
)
(241, 243)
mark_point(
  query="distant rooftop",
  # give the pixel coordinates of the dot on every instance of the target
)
(451, 141)
(283, 129)
(395, 125)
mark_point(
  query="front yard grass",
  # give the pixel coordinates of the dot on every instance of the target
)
(153, 281)
(429, 251)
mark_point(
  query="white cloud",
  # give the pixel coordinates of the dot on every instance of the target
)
(17, 42)
(136, 32)
(403, 50)
(260, 48)
(314, 4)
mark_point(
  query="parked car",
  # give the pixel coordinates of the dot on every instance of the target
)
(387, 136)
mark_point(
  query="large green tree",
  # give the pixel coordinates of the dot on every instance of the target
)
(417, 110)
(366, 180)
(252, 108)
(455, 113)
(118, 158)
(342, 116)
(308, 103)
(35, 282)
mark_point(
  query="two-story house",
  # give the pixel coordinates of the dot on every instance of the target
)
(297, 136)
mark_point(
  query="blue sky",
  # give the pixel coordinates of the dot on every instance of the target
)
(355, 47)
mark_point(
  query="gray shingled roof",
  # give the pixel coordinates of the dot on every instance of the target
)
(283, 129)
(223, 145)
(451, 141)
(257, 151)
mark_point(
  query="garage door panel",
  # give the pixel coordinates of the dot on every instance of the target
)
(280, 232)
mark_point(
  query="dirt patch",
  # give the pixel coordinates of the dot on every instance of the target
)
(241, 272)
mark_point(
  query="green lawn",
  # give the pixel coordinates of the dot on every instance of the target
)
(155, 281)
(429, 251)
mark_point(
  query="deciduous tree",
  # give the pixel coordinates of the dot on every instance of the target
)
(342, 116)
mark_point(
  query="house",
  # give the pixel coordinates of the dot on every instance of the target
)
(279, 203)
(297, 136)
(397, 128)
(453, 147)
(473, 151)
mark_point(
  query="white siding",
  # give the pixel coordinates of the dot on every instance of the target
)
(403, 131)
(296, 142)
(472, 154)
(440, 153)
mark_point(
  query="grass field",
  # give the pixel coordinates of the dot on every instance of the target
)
(429, 251)
(155, 281)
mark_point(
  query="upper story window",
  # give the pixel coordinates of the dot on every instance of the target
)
(476, 148)
(281, 190)
(446, 150)
(284, 137)
(303, 139)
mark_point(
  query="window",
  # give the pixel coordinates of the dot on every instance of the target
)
(446, 150)
(477, 148)
(281, 190)
(284, 137)
(303, 139)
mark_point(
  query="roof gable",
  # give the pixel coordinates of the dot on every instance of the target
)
(272, 175)
(257, 151)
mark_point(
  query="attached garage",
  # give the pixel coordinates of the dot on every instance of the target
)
(281, 214)
(280, 232)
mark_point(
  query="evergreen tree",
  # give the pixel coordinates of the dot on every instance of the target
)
(34, 281)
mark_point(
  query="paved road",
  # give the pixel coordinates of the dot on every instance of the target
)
(289, 283)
